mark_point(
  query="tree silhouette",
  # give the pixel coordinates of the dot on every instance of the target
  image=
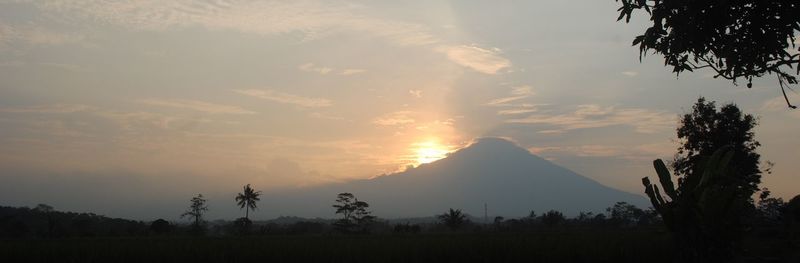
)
(453, 218)
(196, 209)
(705, 212)
(160, 226)
(624, 214)
(51, 220)
(792, 215)
(553, 218)
(707, 129)
(736, 39)
(770, 209)
(43, 208)
(354, 214)
(247, 199)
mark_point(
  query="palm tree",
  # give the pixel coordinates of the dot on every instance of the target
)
(247, 199)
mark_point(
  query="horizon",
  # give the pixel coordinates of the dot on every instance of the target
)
(129, 109)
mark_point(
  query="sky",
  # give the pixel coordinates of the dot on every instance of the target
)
(117, 104)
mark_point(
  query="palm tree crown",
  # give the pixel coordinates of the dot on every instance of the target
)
(247, 199)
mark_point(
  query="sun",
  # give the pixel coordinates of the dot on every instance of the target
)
(429, 151)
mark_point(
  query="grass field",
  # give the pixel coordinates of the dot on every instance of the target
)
(575, 245)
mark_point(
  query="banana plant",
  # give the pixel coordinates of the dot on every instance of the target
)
(706, 197)
(702, 210)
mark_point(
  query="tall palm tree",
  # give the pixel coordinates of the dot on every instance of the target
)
(247, 199)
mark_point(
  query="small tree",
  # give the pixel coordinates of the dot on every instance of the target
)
(453, 218)
(624, 214)
(355, 216)
(196, 209)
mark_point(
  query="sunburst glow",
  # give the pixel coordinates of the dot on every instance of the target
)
(430, 151)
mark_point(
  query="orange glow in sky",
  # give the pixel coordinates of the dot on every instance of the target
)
(429, 151)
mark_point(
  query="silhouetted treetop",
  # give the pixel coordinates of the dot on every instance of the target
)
(355, 216)
(196, 210)
(708, 128)
(247, 199)
(737, 39)
(453, 219)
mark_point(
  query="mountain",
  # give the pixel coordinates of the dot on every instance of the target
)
(509, 179)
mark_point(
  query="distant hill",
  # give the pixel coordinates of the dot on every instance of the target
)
(509, 179)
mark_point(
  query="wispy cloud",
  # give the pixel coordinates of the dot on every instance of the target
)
(395, 118)
(286, 98)
(416, 93)
(312, 19)
(197, 105)
(596, 116)
(320, 115)
(778, 105)
(310, 67)
(324, 70)
(56, 108)
(517, 93)
(352, 71)
(638, 152)
(516, 111)
(630, 73)
(476, 58)
(35, 35)
(504, 101)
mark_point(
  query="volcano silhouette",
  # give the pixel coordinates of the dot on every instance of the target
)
(508, 179)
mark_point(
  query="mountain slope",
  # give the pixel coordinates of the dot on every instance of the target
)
(507, 178)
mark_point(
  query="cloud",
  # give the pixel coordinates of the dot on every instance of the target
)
(324, 116)
(517, 93)
(61, 66)
(395, 118)
(522, 90)
(35, 35)
(286, 98)
(351, 71)
(481, 60)
(596, 116)
(56, 108)
(416, 93)
(504, 101)
(197, 105)
(516, 111)
(644, 152)
(630, 73)
(778, 105)
(309, 67)
(312, 19)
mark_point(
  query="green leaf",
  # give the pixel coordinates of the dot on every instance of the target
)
(665, 178)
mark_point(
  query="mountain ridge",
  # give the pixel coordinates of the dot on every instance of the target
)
(492, 171)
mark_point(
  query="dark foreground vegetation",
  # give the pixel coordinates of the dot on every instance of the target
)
(622, 234)
(570, 245)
